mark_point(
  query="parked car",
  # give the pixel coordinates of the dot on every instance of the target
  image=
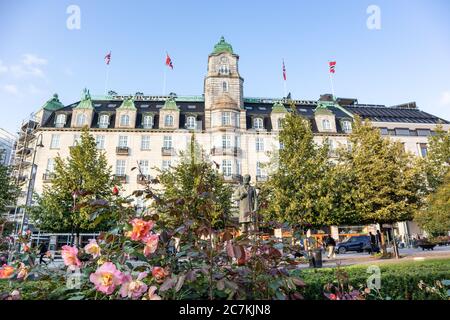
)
(356, 243)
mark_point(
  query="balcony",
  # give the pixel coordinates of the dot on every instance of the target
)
(143, 178)
(122, 178)
(234, 178)
(122, 151)
(230, 151)
(167, 151)
(47, 177)
(261, 178)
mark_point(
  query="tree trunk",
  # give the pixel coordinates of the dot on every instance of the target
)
(383, 246)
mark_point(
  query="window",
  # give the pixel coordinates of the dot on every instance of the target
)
(60, 120)
(54, 144)
(145, 143)
(190, 122)
(100, 142)
(168, 120)
(423, 149)
(224, 69)
(76, 139)
(238, 167)
(259, 169)
(123, 141)
(346, 126)
(226, 167)
(226, 141)
(167, 142)
(238, 120)
(103, 121)
(402, 132)
(326, 125)
(165, 164)
(143, 166)
(259, 144)
(81, 120)
(124, 120)
(423, 132)
(280, 123)
(147, 122)
(384, 131)
(226, 118)
(225, 86)
(258, 123)
(237, 141)
(120, 167)
(50, 165)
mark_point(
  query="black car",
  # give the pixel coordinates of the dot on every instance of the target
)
(356, 243)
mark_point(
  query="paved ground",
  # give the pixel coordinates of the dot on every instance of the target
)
(407, 254)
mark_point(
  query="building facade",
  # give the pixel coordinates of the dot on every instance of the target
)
(238, 132)
(7, 141)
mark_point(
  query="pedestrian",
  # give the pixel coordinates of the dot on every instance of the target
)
(373, 242)
(379, 238)
(331, 244)
(42, 251)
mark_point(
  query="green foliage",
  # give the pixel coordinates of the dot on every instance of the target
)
(8, 189)
(194, 190)
(398, 281)
(384, 179)
(83, 178)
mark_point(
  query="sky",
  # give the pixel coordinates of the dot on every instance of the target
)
(401, 57)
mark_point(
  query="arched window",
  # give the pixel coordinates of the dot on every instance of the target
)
(104, 121)
(147, 122)
(258, 123)
(81, 120)
(168, 120)
(224, 69)
(326, 124)
(225, 86)
(60, 120)
(190, 122)
(124, 120)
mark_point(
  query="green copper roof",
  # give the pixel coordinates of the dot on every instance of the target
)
(53, 103)
(86, 102)
(322, 107)
(170, 104)
(127, 104)
(222, 46)
(278, 107)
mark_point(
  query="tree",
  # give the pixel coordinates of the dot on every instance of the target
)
(80, 185)
(9, 191)
(194, 190)
(304, 187)
(386, 180)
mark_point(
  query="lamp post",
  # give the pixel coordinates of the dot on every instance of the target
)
(38, 144)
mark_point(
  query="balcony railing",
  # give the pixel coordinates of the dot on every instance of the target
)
(167, 151)
(230, 151)
(121, 178)
(234, 178)
(143, 178)
(123, 151)
(47, 177)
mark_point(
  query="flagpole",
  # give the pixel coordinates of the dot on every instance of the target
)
(106, 79)
(332, 86)
(164, 81)
(285, 90)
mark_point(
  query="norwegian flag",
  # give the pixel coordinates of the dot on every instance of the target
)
(169, 61)
(284, 71)
(332, 66)
(108, 58)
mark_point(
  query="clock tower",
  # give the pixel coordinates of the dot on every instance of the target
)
(223, 87)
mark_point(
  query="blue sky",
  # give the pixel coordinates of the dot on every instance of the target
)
(408, 59)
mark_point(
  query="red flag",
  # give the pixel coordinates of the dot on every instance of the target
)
(169, 61)
(332, 66)
(108, 58)
(284, 71)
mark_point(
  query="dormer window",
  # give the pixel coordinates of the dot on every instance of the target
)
(225, 86)
(190, 122)
(168, 120)
(326, 124)
(124, 120)
(147, 122)
(346, 126)
(103, 121)
(60, 120)
(258, 123)
(81, 120)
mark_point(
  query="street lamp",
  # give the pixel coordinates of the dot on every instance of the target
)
(38, 144)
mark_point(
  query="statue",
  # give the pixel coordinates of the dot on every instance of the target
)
(246, 195)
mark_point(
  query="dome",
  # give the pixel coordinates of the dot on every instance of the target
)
(222, 46)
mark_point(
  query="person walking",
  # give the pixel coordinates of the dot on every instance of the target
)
(373, 242)
(42, 251)
(331, 244)
(378, 238)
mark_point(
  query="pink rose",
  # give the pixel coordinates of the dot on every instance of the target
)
(151, 244)
(133, 288)
(106, 278)
(70, 256)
